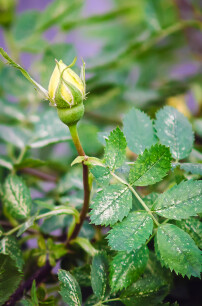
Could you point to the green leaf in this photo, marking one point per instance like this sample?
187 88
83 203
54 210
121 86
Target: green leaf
150 199
148 290
17 199
150 167
49 129
189 167
175 131
99 275
126 268
101 174
193 227
34 294
9 246
10 278
82 275
178 250
139 131
111 205
69 289
25 73
115 150
131 233
85 245
181 201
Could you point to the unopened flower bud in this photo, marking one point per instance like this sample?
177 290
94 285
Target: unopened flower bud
7 9
67 92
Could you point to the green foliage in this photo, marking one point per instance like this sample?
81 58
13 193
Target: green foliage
139 131
178 251
131 233
69 289
17 199
99 275
126 268
115 149
9 246
151 166
101 174
10 277
175 131
181 201
111 204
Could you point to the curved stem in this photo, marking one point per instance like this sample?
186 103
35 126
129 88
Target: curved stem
86 187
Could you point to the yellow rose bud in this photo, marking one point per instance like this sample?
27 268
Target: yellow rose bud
67 92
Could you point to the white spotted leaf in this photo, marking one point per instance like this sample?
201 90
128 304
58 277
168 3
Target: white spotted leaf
126 268
17 199
181 201
131 233
69 289
178 251
111 204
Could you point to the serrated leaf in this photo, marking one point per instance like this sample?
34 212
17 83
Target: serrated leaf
69 289
175 131
10 277
111 204
193 227
131 233
189 167
17 199
49 129
99 275
139 131
101 174
115 150
9 246
150 199
178 250
126 268
181 201
150 167
148 290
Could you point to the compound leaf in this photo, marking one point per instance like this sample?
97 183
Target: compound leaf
17 199
10 277
126 268
131 233
115 150
99 275
111 204
139 131
178 250
181 201
151 166
175 131
69 289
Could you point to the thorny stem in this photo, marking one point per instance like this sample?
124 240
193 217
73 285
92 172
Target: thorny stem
137 196
77 143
